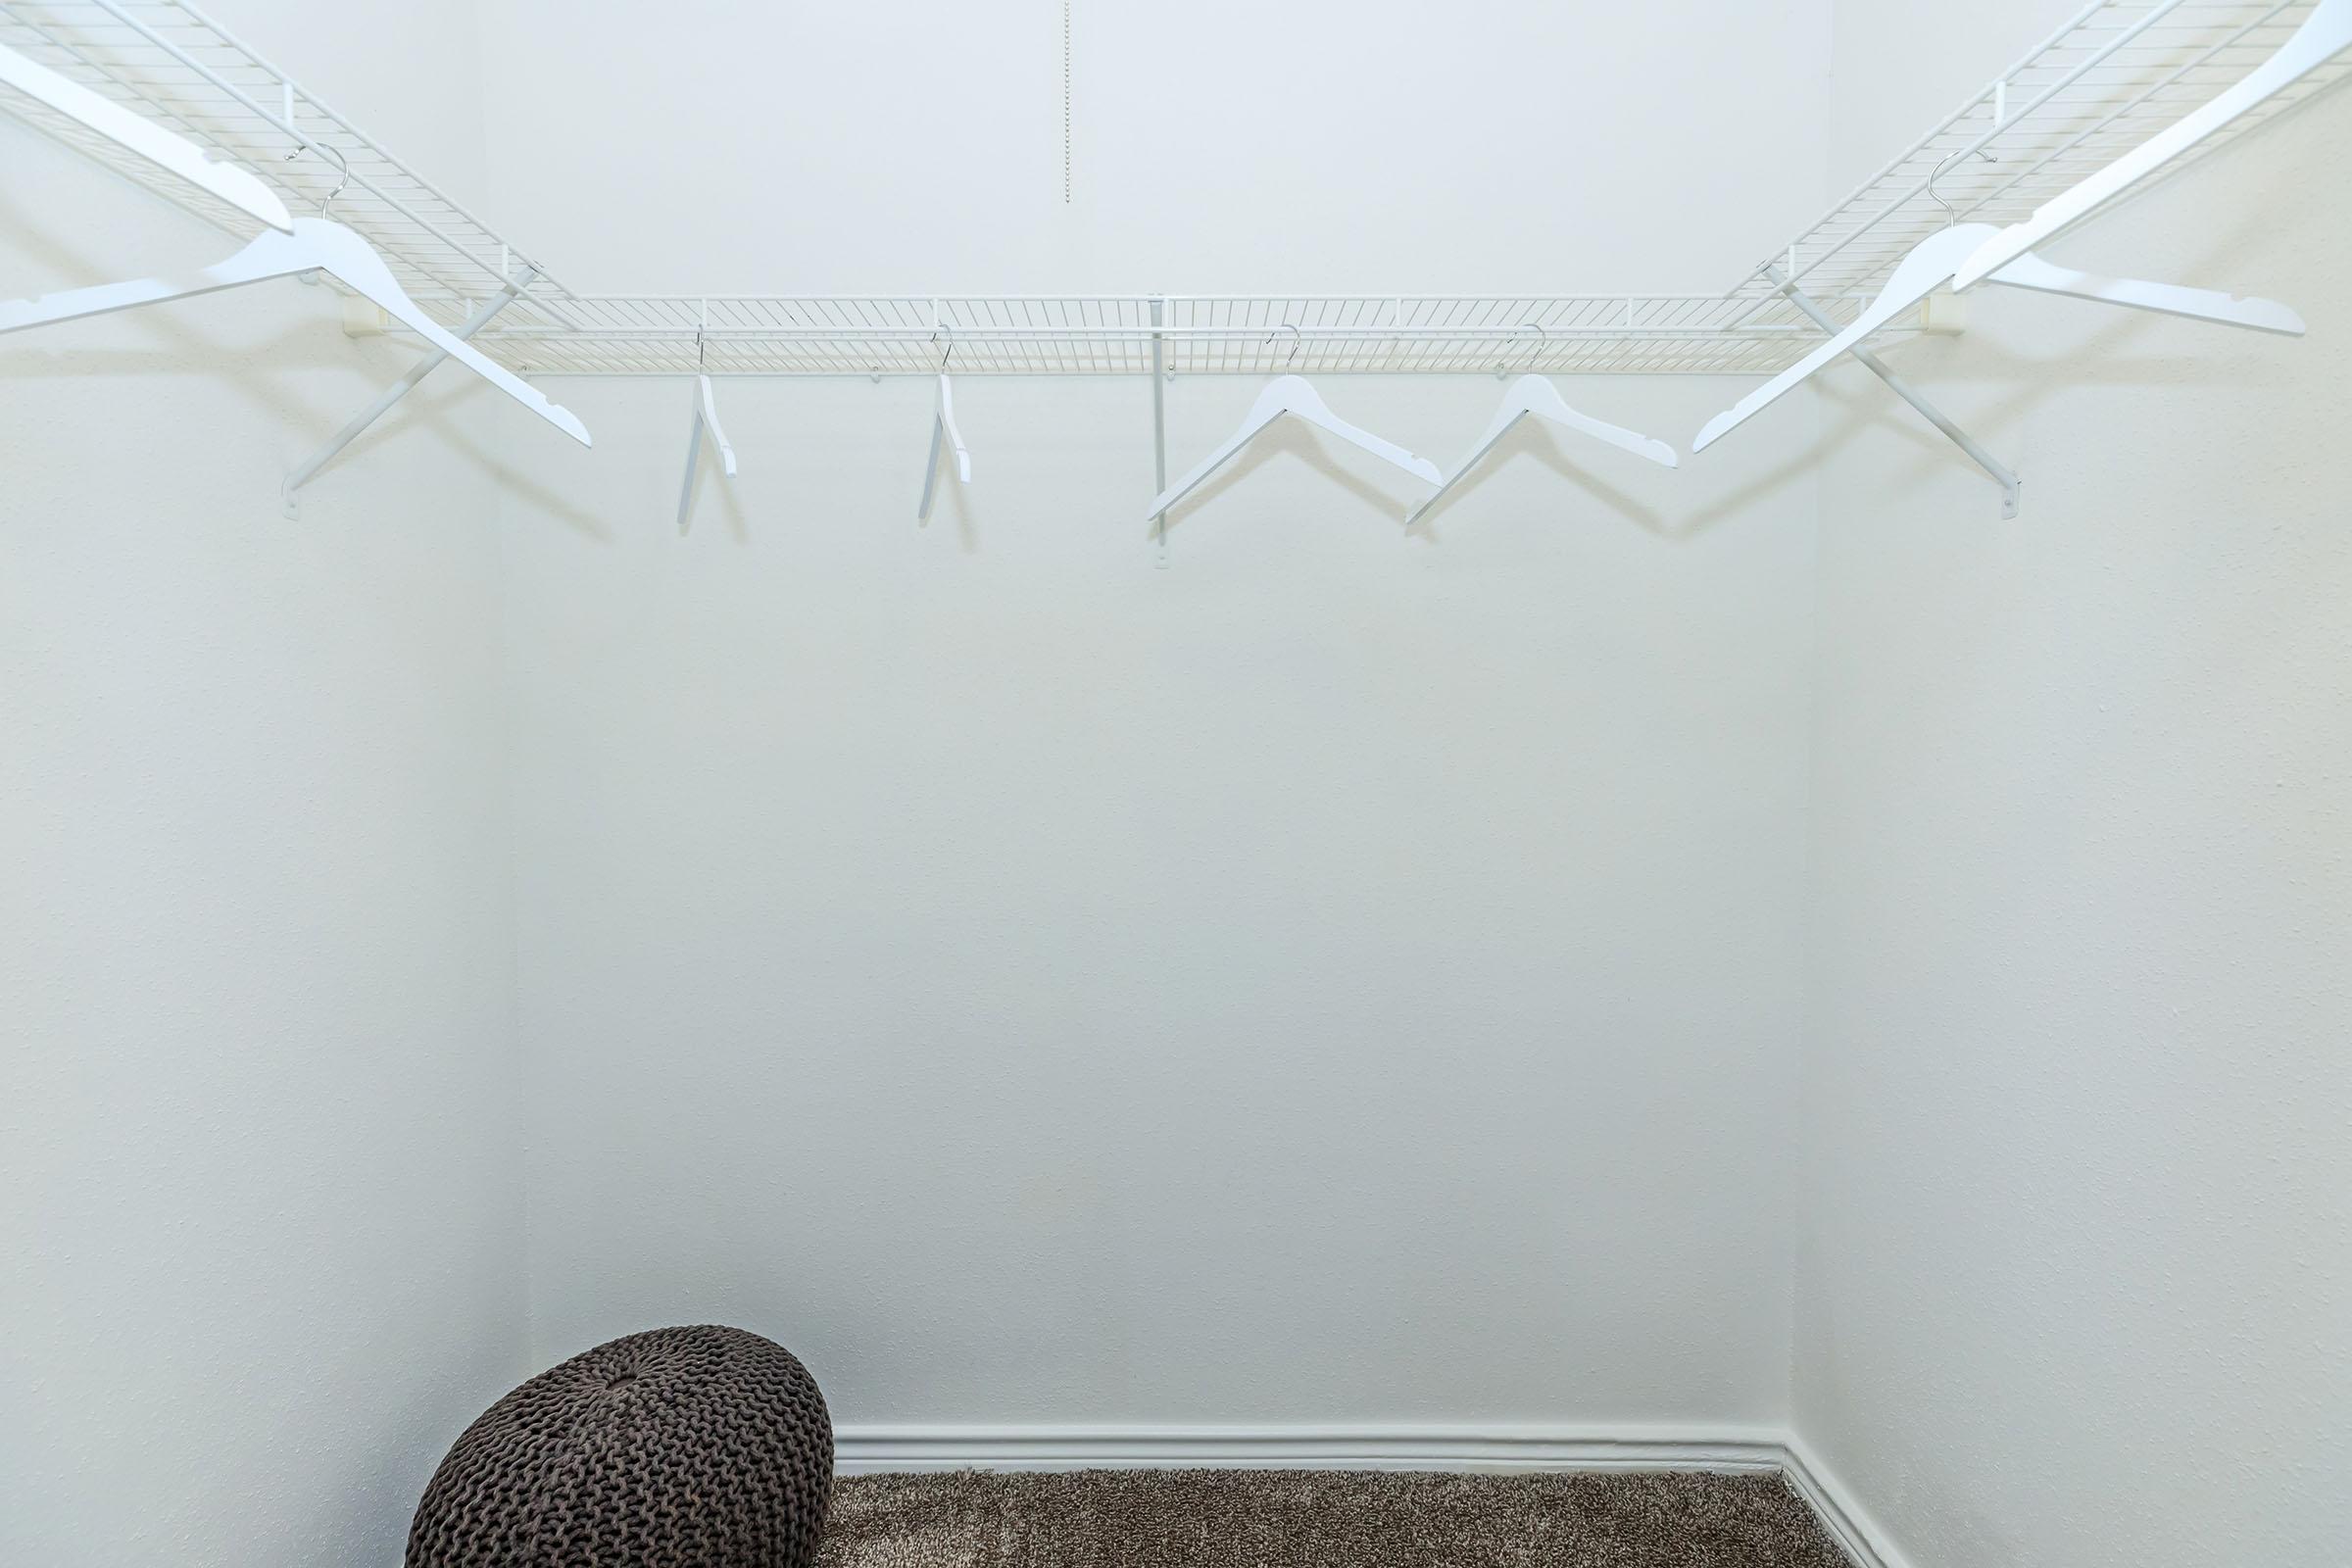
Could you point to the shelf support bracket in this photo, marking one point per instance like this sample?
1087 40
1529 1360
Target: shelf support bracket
1159 426
2002 474
305 471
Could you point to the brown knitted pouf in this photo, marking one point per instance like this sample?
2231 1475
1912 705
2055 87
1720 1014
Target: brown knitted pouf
698 1448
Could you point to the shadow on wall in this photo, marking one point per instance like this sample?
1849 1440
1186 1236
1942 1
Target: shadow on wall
1529 439
259 373
2096 360
2100 356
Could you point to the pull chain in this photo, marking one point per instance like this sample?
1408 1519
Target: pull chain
1065 102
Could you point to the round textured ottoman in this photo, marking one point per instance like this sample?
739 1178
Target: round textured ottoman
698 1448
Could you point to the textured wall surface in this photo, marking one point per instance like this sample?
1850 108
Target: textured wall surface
1378 146
1341 976
260 1255
2076 1269
1039 987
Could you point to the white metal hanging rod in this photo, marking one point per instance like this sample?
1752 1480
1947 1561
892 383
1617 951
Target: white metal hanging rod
1501 341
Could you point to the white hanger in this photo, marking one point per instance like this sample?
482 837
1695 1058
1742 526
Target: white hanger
1932 263
2324 34
944 431
315 244
151 141
1534 394
2165 299
1291 394
705 416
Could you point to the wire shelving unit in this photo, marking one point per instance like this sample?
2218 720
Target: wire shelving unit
2112 75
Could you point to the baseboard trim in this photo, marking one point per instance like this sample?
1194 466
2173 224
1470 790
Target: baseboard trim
1835 1504
877 1449
866 1449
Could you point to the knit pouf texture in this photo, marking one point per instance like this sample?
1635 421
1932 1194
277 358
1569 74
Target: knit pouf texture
693 1447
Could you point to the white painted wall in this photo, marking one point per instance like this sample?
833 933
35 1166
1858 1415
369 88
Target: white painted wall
1338 977
1342 977
261 1255
1235 146
2075 1274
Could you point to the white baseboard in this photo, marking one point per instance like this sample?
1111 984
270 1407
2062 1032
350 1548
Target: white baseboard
874 1450
1840 1514
865 1449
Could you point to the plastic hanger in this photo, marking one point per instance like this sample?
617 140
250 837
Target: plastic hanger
1291 394
705 417
1931 264
165 149
317 244
2165 299
2324 34
1534 394
943 432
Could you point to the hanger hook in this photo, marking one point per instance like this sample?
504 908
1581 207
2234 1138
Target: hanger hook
343 166
1296 337
943 331
1543 341
701 324
1950 214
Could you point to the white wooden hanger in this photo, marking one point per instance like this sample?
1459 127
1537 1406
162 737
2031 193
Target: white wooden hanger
1534 394
2324 34
315 244
705 417
1291 394
1931 266
165 149
942 434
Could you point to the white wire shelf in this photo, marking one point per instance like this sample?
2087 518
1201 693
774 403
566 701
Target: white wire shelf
2112 76
1116 335
179 67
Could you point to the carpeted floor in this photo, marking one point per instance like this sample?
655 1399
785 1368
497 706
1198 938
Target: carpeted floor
1321 1519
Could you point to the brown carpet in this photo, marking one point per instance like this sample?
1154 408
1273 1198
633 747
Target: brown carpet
1321 1519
